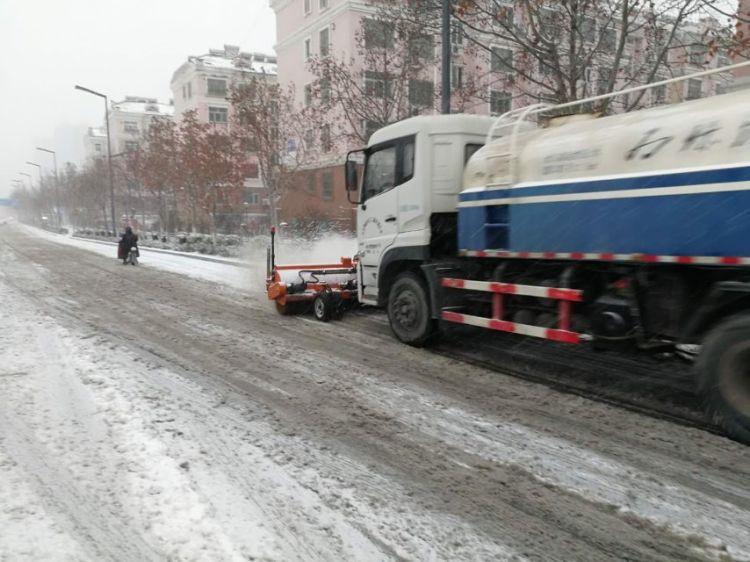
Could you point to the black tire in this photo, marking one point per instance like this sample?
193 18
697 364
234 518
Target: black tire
409 310
723 377
323 307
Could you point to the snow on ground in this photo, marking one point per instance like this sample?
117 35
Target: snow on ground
104 455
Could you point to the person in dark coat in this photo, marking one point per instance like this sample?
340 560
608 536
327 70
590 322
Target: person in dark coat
128 240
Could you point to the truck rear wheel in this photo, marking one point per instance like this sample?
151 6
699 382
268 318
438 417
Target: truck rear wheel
723 375
409 310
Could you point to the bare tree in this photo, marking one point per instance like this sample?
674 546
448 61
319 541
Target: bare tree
271 131
391 77
565 50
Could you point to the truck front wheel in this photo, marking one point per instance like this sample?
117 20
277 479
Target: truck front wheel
409 310
723 373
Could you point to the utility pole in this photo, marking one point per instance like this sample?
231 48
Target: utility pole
446 61
57 183
109 155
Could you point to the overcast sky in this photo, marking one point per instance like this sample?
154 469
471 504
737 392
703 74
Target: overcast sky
128 47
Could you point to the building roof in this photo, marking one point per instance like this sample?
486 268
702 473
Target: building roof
231 58
135 104
96 132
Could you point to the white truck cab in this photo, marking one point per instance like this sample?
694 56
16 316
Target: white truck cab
407 196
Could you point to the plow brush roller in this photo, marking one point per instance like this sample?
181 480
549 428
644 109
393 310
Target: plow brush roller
327 289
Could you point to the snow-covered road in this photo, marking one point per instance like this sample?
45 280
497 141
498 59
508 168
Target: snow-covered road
147 416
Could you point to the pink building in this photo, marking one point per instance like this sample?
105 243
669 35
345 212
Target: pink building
202 83
742 75
482 81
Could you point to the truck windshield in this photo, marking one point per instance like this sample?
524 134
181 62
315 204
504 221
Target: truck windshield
380 172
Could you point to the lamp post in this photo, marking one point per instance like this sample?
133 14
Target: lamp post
57 183
446 58
28 176
109 154
38 169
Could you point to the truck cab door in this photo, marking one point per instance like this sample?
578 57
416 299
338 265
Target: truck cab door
377 215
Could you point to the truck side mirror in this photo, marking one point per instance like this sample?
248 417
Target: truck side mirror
352 179
351 176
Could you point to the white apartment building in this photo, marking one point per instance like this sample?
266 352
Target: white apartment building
95 143
203 83
130 119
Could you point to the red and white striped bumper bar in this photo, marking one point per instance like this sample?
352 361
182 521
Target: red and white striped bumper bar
499 290
638 258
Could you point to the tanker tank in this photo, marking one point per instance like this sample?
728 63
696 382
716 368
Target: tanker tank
673 180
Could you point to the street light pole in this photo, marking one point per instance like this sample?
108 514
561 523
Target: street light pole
446 62
57 182
38 169
109 154
31 185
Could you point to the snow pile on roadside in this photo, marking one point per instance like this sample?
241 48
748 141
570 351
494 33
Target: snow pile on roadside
251 277
233 276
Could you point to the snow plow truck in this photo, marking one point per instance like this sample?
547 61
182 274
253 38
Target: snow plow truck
630 230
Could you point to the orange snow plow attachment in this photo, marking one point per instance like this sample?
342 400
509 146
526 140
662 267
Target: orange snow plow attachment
328 289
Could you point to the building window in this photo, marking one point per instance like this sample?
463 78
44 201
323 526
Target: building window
369 127
325 42
499 102
217 88
252 170
545 68
325 138
327 190
308 94
98 147
190 90
693 89
376 84
218 114
588 29
322 4
309 139
457 77
308 48
130 126
378 34
505 16
422 48
308 6
421 93
659 94
311 183
325 90
609 40
253 198
184 94
697 54
502 59
130 146
603 81
457 34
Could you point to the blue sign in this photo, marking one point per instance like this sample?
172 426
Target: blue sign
7 202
